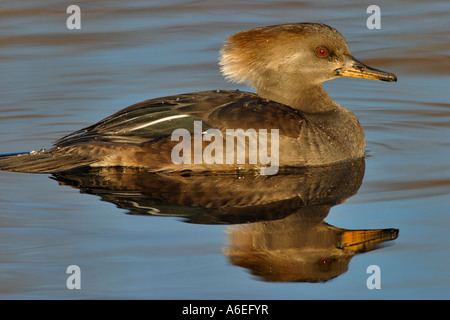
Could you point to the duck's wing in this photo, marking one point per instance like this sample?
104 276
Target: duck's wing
144 121
158 118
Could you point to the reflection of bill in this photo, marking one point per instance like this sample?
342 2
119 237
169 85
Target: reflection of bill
241 147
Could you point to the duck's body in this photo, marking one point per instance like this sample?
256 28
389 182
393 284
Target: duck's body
312 128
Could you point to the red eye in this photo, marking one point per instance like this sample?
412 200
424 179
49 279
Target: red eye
322 52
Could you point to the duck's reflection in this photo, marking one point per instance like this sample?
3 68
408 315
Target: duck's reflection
300 247
278 230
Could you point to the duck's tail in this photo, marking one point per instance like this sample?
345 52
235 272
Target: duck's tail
41 161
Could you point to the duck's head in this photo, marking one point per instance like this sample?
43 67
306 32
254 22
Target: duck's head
287 60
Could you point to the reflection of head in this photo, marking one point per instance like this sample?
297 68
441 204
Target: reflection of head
292 265
300 247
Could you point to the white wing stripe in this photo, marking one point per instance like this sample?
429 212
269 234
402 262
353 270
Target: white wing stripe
160 120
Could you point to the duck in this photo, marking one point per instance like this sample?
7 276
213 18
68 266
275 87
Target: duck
286 65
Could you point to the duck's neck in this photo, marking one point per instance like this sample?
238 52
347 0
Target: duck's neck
311 99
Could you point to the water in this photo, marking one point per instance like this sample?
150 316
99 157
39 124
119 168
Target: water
54 81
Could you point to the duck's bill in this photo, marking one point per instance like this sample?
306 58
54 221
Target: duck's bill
357 69
365 240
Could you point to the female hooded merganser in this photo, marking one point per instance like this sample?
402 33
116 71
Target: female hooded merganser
286 64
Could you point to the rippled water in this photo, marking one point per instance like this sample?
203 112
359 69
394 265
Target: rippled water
54 81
